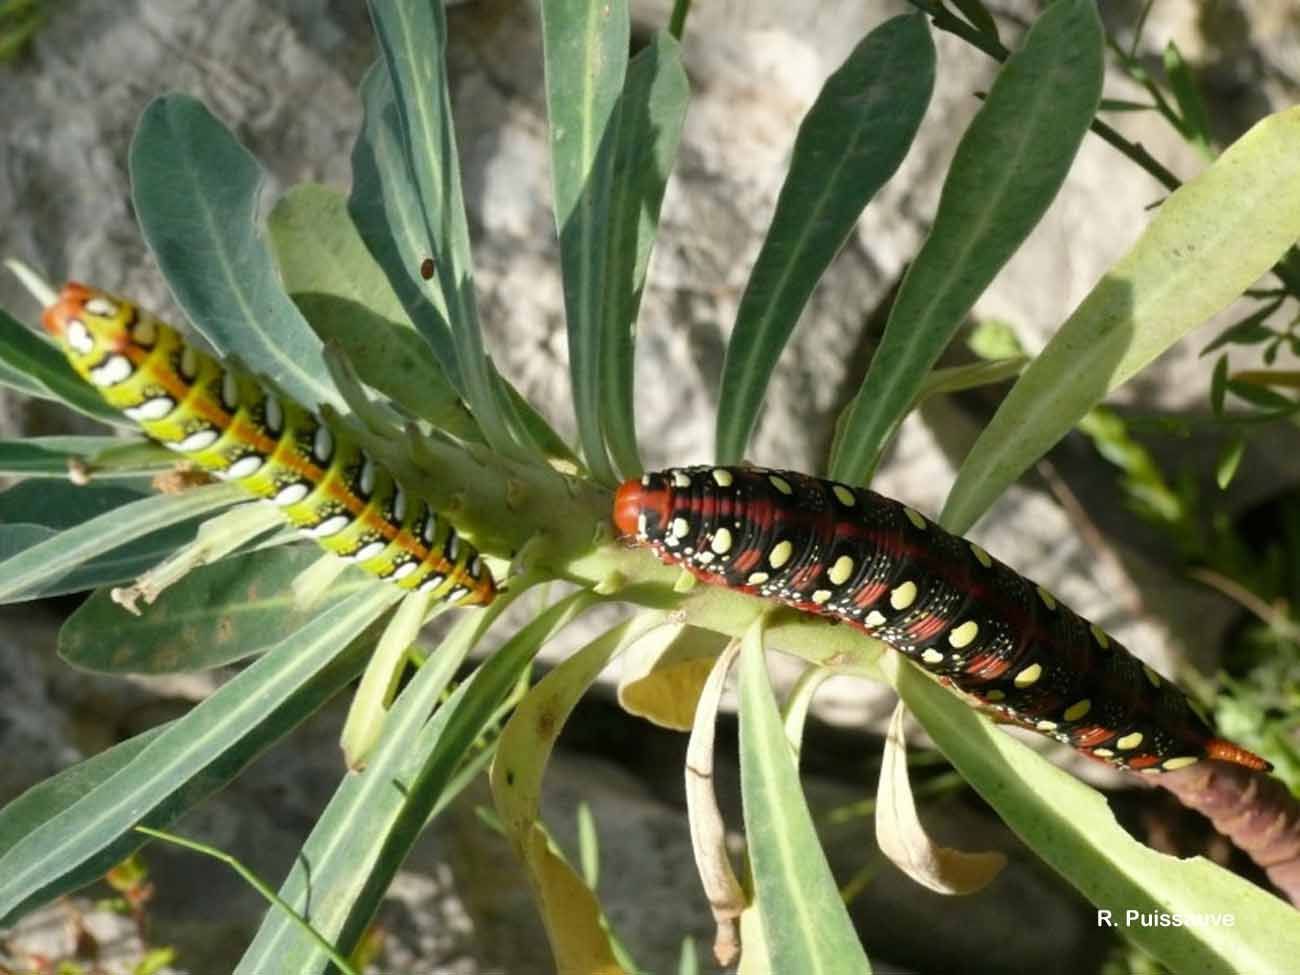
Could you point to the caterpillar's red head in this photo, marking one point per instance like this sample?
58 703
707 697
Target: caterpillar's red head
627 506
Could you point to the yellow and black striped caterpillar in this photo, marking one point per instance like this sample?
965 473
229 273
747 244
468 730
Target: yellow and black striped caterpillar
228 423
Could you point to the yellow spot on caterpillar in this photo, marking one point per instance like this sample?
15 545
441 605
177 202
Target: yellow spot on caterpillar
963 635
903 596
981 556
1182 761
1151 771
874 618
932 657
841 570
1129 742
1077 710
1046 726
1103 753
758 578
995 695
844 496
722 477
821 596
1029 675
721 541
780 483
681 527
1152 676
780 554
681 480
1099 635
915 518
1048 599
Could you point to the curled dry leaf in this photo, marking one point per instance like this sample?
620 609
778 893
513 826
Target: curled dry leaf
903 839
664 673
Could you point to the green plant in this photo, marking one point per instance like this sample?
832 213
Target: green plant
335 281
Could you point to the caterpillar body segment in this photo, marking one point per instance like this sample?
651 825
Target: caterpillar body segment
849 553
231 425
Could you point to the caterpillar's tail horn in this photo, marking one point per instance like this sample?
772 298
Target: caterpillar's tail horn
1226 751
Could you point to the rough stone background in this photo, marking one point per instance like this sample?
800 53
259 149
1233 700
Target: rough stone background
282 75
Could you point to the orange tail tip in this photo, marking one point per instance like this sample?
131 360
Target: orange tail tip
71 300
1226 751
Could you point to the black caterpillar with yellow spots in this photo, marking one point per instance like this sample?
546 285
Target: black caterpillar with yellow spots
230 425
851 554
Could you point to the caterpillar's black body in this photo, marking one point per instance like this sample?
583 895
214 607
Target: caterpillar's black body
852 554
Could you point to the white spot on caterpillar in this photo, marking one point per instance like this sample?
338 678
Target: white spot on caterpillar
246 466
117 369
404 570
758 578
932 657
640 524
460 592
1077 710
367 480
903 596
151 409
1103 753
1029 675
681 527
101 306
780 483
78 336
330 526
475 567
369 551
780 554
145 332
1048 599
274 415
645 480
981 556
453 545
1046 726
1182 761
399 504
915 518
874 618
1129 742
681 480
844 496
821 596
962 635
841 570
189 363
721 541
292 494
199 440
722 477
230 391
322 444
433 582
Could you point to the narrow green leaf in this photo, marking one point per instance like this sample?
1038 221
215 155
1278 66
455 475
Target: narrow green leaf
1191 109
106 458
413 37
195 190
977 16
216 615
1074 831
585 49
51 796
852 140
362 838
1260 396
36 367
39 569
1007 168
385 207
195 756
651 113
1208 243
1219 385
1251 330
346 298
805 926
1229 461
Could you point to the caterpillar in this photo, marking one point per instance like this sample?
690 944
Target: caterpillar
232 426
882 567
